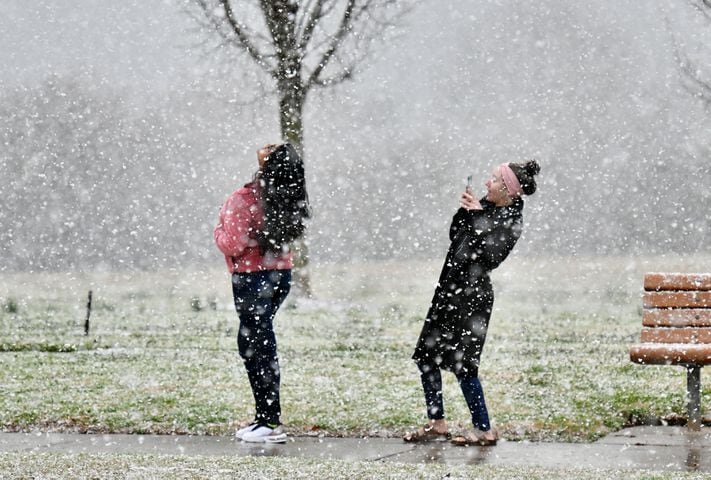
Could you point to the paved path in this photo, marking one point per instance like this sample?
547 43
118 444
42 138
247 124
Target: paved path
655 448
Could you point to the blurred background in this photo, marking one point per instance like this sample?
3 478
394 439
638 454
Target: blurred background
122 131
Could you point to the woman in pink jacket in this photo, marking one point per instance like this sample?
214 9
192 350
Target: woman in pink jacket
256 224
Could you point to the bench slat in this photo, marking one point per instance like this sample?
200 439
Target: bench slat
671 354
677 281
698 317
676 300
676 335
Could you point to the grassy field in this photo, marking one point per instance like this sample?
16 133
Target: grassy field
137 467
161 354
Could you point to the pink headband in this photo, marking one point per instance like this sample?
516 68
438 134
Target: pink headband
510 180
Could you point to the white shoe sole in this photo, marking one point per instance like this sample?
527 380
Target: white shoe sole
281 438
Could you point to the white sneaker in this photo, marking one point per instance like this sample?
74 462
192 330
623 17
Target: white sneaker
264 434
239 433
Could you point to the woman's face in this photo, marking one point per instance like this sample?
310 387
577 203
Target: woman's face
264 152
496 189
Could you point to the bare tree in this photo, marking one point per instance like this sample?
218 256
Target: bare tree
694 80
299 45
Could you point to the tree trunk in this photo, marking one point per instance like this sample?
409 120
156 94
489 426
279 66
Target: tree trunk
291 108
281 16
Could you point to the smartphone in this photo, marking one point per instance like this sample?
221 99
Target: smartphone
469 183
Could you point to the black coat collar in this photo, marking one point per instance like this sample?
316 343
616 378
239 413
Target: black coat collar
507 211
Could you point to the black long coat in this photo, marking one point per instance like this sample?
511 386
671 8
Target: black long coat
455 328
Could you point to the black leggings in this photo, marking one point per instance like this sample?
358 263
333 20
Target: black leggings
257 297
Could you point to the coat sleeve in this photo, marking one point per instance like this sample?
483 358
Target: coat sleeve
463 219
458 222
232 232
494 246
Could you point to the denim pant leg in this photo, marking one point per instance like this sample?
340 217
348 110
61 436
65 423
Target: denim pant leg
474 396
431 378
258 296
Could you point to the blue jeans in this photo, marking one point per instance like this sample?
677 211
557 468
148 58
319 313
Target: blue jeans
431 378
257 297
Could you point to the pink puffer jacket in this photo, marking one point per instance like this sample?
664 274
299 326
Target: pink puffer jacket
235 235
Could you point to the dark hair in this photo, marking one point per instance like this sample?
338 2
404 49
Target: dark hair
284 199
525 173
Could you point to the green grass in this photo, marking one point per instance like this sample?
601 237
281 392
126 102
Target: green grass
161 354
80 466
39 347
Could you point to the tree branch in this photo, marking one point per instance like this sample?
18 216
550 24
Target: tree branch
370 28
699 87
245 42
347 69
311 20
343 30
209 20
703 6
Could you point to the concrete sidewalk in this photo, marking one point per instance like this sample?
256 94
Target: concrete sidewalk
654 448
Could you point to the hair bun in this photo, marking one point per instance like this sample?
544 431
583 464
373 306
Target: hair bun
532 168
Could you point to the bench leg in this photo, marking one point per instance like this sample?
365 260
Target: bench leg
693 392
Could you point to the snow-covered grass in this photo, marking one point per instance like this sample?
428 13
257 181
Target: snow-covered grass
161 354
79 466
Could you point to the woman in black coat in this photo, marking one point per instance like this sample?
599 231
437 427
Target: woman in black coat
483 233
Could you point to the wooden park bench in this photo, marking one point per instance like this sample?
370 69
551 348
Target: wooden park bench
676 329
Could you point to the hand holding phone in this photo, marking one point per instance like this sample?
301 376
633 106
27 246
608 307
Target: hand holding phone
467 200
